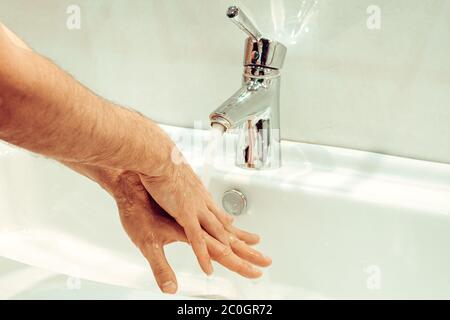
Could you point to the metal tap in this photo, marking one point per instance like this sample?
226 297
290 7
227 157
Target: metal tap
254 110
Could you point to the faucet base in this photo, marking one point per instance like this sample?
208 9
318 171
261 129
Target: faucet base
258 145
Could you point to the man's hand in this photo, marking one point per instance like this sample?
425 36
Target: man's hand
151 228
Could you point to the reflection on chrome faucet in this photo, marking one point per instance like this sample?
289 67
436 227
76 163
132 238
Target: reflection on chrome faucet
255 107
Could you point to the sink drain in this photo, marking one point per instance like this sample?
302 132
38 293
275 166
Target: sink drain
234 202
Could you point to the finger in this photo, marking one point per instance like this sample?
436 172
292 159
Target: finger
214 227
225 256
245 252
223 217
247 237
163 273
195 235
174 231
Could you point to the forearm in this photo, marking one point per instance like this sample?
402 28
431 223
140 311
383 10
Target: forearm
46 111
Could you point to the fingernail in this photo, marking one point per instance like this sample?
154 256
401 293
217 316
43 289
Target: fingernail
210 269
258 273
169 287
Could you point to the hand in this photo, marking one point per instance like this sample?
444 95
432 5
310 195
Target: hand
182 195
150 228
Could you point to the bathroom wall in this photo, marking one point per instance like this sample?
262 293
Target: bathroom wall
364 74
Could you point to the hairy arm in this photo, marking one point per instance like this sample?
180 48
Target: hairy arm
45 110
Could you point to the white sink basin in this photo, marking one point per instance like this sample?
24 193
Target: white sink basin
338 223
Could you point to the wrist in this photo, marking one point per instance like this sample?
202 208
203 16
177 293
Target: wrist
106 178
158 150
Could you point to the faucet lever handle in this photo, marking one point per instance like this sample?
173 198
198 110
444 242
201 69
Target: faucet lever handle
244 23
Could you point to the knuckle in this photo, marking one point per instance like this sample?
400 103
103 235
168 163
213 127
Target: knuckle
125 206
149 241
242 267
132 180
222 229
225 251
161 271
198 238
234 240
130 177
219 229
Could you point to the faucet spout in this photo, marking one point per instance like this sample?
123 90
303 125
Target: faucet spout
255 97
254 111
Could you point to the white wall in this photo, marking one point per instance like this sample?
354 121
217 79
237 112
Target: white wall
385 90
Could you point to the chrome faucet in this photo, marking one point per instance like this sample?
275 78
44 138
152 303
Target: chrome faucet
255 108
